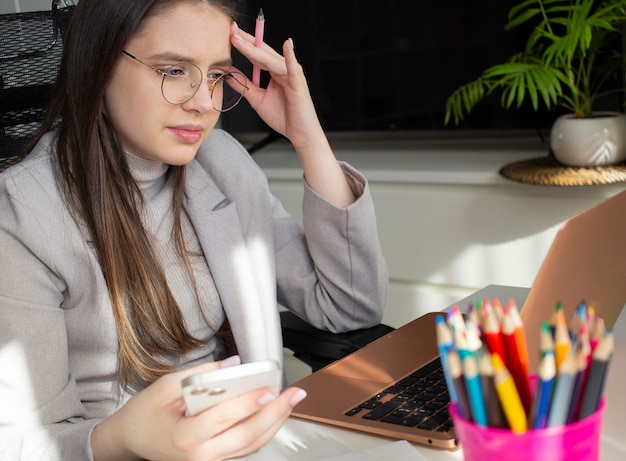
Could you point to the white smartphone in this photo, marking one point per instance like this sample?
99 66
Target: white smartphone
204 390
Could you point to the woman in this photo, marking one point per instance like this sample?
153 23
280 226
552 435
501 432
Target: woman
135 231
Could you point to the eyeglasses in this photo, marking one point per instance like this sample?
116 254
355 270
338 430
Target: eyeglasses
181 81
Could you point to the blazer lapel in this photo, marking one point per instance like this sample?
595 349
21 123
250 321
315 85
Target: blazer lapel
235 267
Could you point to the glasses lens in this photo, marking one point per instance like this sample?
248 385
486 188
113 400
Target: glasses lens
180 82
228 91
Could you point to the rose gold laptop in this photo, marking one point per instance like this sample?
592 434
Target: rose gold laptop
587 261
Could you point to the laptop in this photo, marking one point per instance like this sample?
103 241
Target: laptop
586 262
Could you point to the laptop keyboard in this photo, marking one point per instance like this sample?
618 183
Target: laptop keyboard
419 400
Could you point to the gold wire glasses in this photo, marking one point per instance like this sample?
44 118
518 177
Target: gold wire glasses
181 82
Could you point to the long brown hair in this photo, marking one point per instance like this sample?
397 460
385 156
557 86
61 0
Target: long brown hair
102 194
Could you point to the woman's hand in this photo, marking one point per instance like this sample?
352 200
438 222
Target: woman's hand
286 106
152 424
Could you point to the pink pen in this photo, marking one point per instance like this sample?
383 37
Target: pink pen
258 41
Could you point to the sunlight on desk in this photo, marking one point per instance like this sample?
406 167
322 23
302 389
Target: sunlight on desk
306 441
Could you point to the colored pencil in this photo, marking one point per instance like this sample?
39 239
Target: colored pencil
492 334
562 340
259 31
478 307
486 365
473 313
578 319
461 342
472 333
497 309
546 340
543 395
483 307
455 319
445 344
591 316
579 379
458 380
508 396
495 417
558 311
474 392
597 376
514 341
597 331
561 397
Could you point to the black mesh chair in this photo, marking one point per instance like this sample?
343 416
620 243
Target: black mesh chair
319 348
30 53
31 45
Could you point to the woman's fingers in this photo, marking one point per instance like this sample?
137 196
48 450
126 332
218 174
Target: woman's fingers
254 432
264 56
249 39
221 417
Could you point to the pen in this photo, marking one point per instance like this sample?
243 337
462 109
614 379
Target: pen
259 30
597 375
508 396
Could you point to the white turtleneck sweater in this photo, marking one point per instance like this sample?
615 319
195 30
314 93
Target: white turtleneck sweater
153 180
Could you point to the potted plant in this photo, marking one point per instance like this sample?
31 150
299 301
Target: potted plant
572 57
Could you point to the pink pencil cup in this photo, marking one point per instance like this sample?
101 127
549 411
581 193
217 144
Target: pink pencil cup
578 441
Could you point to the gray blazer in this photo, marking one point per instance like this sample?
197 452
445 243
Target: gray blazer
58 346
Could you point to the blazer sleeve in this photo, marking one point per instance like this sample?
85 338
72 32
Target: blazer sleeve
330 270
333 275
41 416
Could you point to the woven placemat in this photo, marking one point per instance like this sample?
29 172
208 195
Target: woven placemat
547 171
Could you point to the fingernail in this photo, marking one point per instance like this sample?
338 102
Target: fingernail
266 398
297 397
236 27
231 361
293 47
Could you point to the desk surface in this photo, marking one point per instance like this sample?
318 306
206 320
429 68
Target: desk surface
306 441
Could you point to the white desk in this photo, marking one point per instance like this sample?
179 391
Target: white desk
306 441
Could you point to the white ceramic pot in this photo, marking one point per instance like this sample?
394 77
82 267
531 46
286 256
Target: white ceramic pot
595 141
